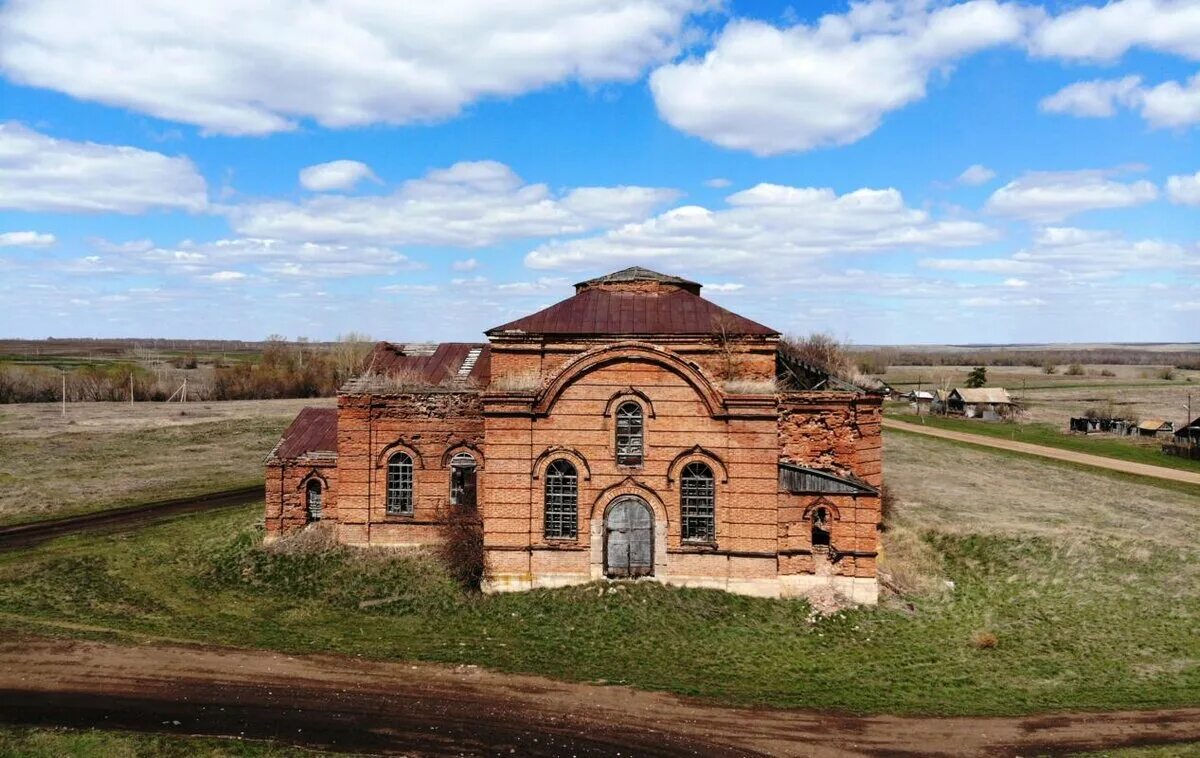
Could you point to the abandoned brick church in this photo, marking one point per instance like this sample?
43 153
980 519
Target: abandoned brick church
634 429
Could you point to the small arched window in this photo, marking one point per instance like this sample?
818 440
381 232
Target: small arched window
629 434
462 481
400 485
697 503
821 523
314 499
561 500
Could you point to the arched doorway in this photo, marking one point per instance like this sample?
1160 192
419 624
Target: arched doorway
628 538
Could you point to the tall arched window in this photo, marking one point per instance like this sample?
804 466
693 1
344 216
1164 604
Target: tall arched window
400 485
561 500
629 434
314 499
821 525
697 503
462 481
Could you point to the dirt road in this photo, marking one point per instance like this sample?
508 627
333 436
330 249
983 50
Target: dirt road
342 703
1098 461
24 535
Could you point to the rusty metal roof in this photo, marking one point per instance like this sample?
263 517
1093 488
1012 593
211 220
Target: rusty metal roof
314 430
608 312
447 363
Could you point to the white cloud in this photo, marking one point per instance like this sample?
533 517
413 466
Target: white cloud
1098 98
26 239
771 90
725 287
236 70
1107 32
1069 252
1053 196
975 175
41 173
335 175
1184 189
1170 104
469 264
1016 283
717 183
469 204
763 226
225 276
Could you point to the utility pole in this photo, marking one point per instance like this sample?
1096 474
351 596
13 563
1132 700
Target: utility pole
130 389
64 392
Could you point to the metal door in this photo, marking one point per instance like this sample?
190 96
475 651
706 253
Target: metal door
629 539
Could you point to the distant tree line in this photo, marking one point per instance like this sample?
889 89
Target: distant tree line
283 370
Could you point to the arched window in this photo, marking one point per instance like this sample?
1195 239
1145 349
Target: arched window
314 499
462 481
400 485
561 500
629 434
697 503
821 523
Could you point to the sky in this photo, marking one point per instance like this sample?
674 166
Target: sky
889 171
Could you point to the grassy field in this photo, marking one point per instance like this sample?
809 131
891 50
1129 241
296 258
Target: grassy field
1088 589
104 455
1121 448
93 743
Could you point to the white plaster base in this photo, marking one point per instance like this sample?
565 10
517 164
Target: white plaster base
863 591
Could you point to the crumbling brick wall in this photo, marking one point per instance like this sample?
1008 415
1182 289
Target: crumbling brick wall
286 509
429 427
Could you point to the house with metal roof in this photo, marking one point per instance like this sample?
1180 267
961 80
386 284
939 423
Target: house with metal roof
634 430
987 403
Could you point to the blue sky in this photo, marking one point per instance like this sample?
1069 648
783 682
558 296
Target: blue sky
889 171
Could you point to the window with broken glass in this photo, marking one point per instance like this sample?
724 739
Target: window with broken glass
462 481
313 499
629 434
561 500
400 485
697 503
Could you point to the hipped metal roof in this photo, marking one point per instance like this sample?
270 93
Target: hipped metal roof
314 430
601 311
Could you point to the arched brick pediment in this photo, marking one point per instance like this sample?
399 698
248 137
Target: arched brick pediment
634 352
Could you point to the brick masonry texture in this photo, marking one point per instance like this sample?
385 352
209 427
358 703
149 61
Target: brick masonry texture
555 397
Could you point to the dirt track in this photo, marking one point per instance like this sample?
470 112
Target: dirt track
342 703
1098 461
24 535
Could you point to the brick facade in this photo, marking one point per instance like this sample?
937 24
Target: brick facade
554 397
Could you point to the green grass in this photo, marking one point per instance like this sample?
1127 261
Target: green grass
1051 436
1181 750
1097 624
72 472
94 743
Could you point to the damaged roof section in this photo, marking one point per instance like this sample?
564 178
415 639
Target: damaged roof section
311 435
446 366
800 480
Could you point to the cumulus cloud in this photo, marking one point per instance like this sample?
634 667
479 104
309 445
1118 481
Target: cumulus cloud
765 224
1078 253
335 175
717 183
975 175
26 239
1053 196
1098 98
1184 189
1170 104
226 69
469 204
772 90
41 173
1105 33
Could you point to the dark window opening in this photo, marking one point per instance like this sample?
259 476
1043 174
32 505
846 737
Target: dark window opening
697 503
313 499
629 434
462 481
561 500
400 485
821 524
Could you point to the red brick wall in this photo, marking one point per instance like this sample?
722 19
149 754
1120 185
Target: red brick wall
286 509
427 426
